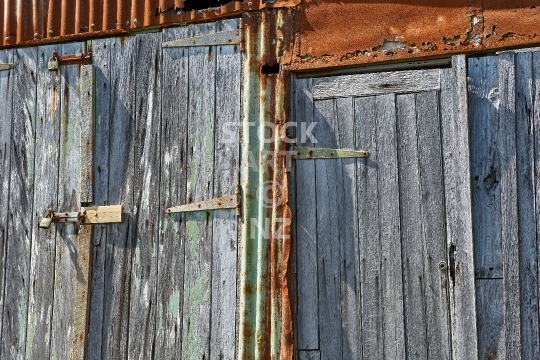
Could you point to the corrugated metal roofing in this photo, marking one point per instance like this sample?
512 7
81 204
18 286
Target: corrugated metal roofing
26 22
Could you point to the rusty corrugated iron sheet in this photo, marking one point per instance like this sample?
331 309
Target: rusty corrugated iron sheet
266 324
27 22
332 34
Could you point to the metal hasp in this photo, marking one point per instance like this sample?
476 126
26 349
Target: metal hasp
224 202
231 37
87 216
5 67
305 153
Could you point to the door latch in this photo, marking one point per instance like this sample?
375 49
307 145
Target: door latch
87 216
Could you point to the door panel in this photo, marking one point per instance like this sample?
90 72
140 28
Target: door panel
372 243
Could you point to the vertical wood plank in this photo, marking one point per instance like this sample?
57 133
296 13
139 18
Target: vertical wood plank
226 177
328 189
306 227
19 226
70 306
491 341
536 126
348 231
433 226
525 146
6 91
198 263
43 254
391 277
456 164
414 281
174 134
146 196
310 355
506 147
101 62
121 183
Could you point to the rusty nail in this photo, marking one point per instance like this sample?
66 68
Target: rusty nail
442 266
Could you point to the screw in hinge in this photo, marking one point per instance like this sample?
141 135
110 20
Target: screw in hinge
442 266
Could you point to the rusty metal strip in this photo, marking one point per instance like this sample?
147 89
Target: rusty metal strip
265 328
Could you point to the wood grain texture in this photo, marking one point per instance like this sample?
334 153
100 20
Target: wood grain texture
21 188
536 125
491 341
329 188
102 65
146 154
414 281
456 165
396 82
226 176
118 254
72 264
387 267
200 153
43 254
306 231
172 236
86 143
526 102
506 148
6 89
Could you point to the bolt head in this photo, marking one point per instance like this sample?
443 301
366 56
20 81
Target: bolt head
51 31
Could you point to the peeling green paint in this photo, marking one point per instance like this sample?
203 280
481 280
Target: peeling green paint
193 231
174 304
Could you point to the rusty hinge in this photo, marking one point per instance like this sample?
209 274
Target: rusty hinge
224 202
87 216
231 37
5 67
305 153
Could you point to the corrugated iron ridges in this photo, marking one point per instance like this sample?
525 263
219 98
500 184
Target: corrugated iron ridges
29 22
39 21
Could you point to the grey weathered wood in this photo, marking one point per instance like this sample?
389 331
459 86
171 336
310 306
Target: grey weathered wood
309 355
101 62
456 165
306 231
6 89
200 153
391 310
146 154
491 341
21 188
485 170
226 176
397 82
348 231
40 299
172 237
506 147
121 183
328 192
414 281
526 101
86 145
222 37
71 280
433 225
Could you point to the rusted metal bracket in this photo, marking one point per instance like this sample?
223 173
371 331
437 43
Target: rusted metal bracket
5 67
87 216
224 202
232 37
306 153
76 59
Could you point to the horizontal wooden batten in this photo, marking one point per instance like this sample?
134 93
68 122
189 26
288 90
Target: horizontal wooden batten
231 37
359 85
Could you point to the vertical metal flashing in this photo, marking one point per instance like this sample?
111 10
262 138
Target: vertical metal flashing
265 330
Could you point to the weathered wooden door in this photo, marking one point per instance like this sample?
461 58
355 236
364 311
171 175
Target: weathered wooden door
47 164
384 244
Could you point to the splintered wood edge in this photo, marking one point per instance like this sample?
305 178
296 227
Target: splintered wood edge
102 214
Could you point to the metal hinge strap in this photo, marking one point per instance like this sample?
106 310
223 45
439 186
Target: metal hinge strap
5 67
224 202
231 37
304 153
